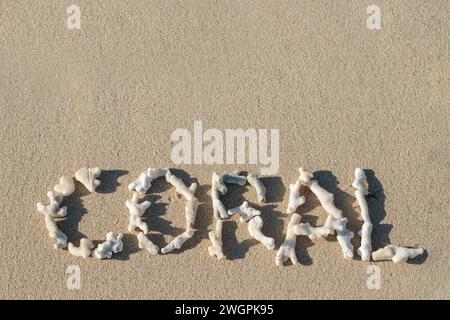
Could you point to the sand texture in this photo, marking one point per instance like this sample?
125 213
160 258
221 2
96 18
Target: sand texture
111 94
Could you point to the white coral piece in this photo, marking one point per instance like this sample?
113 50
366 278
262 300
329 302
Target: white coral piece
89 177
287 248
396 253
113 244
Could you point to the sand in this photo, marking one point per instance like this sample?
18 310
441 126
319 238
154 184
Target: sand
111 94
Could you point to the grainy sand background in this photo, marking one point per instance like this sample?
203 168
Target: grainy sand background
110 95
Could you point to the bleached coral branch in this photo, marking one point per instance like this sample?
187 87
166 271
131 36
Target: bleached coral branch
113 244
137 210
147 244
344 238
254 228
235 178
295 199
65 186
217 186
360 184
256 183
178 242
55 233
137 223
217 182
88 177
245 212
144 182
190 209
153 173
215 249
53 208
219 209
313 233
396 253
287 249
84 250
180 187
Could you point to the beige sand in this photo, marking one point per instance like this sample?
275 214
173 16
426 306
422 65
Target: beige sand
110 94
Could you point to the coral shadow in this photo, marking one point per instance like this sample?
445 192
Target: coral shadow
109 179
155 215
376 202
273 223
301 250
76 210
311 201
419 259
232 249
235 196
275 189
130 246
303 243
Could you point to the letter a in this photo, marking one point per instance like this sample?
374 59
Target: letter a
74 19
374 20
74 279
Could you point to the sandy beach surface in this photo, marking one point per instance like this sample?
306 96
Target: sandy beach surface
111 94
